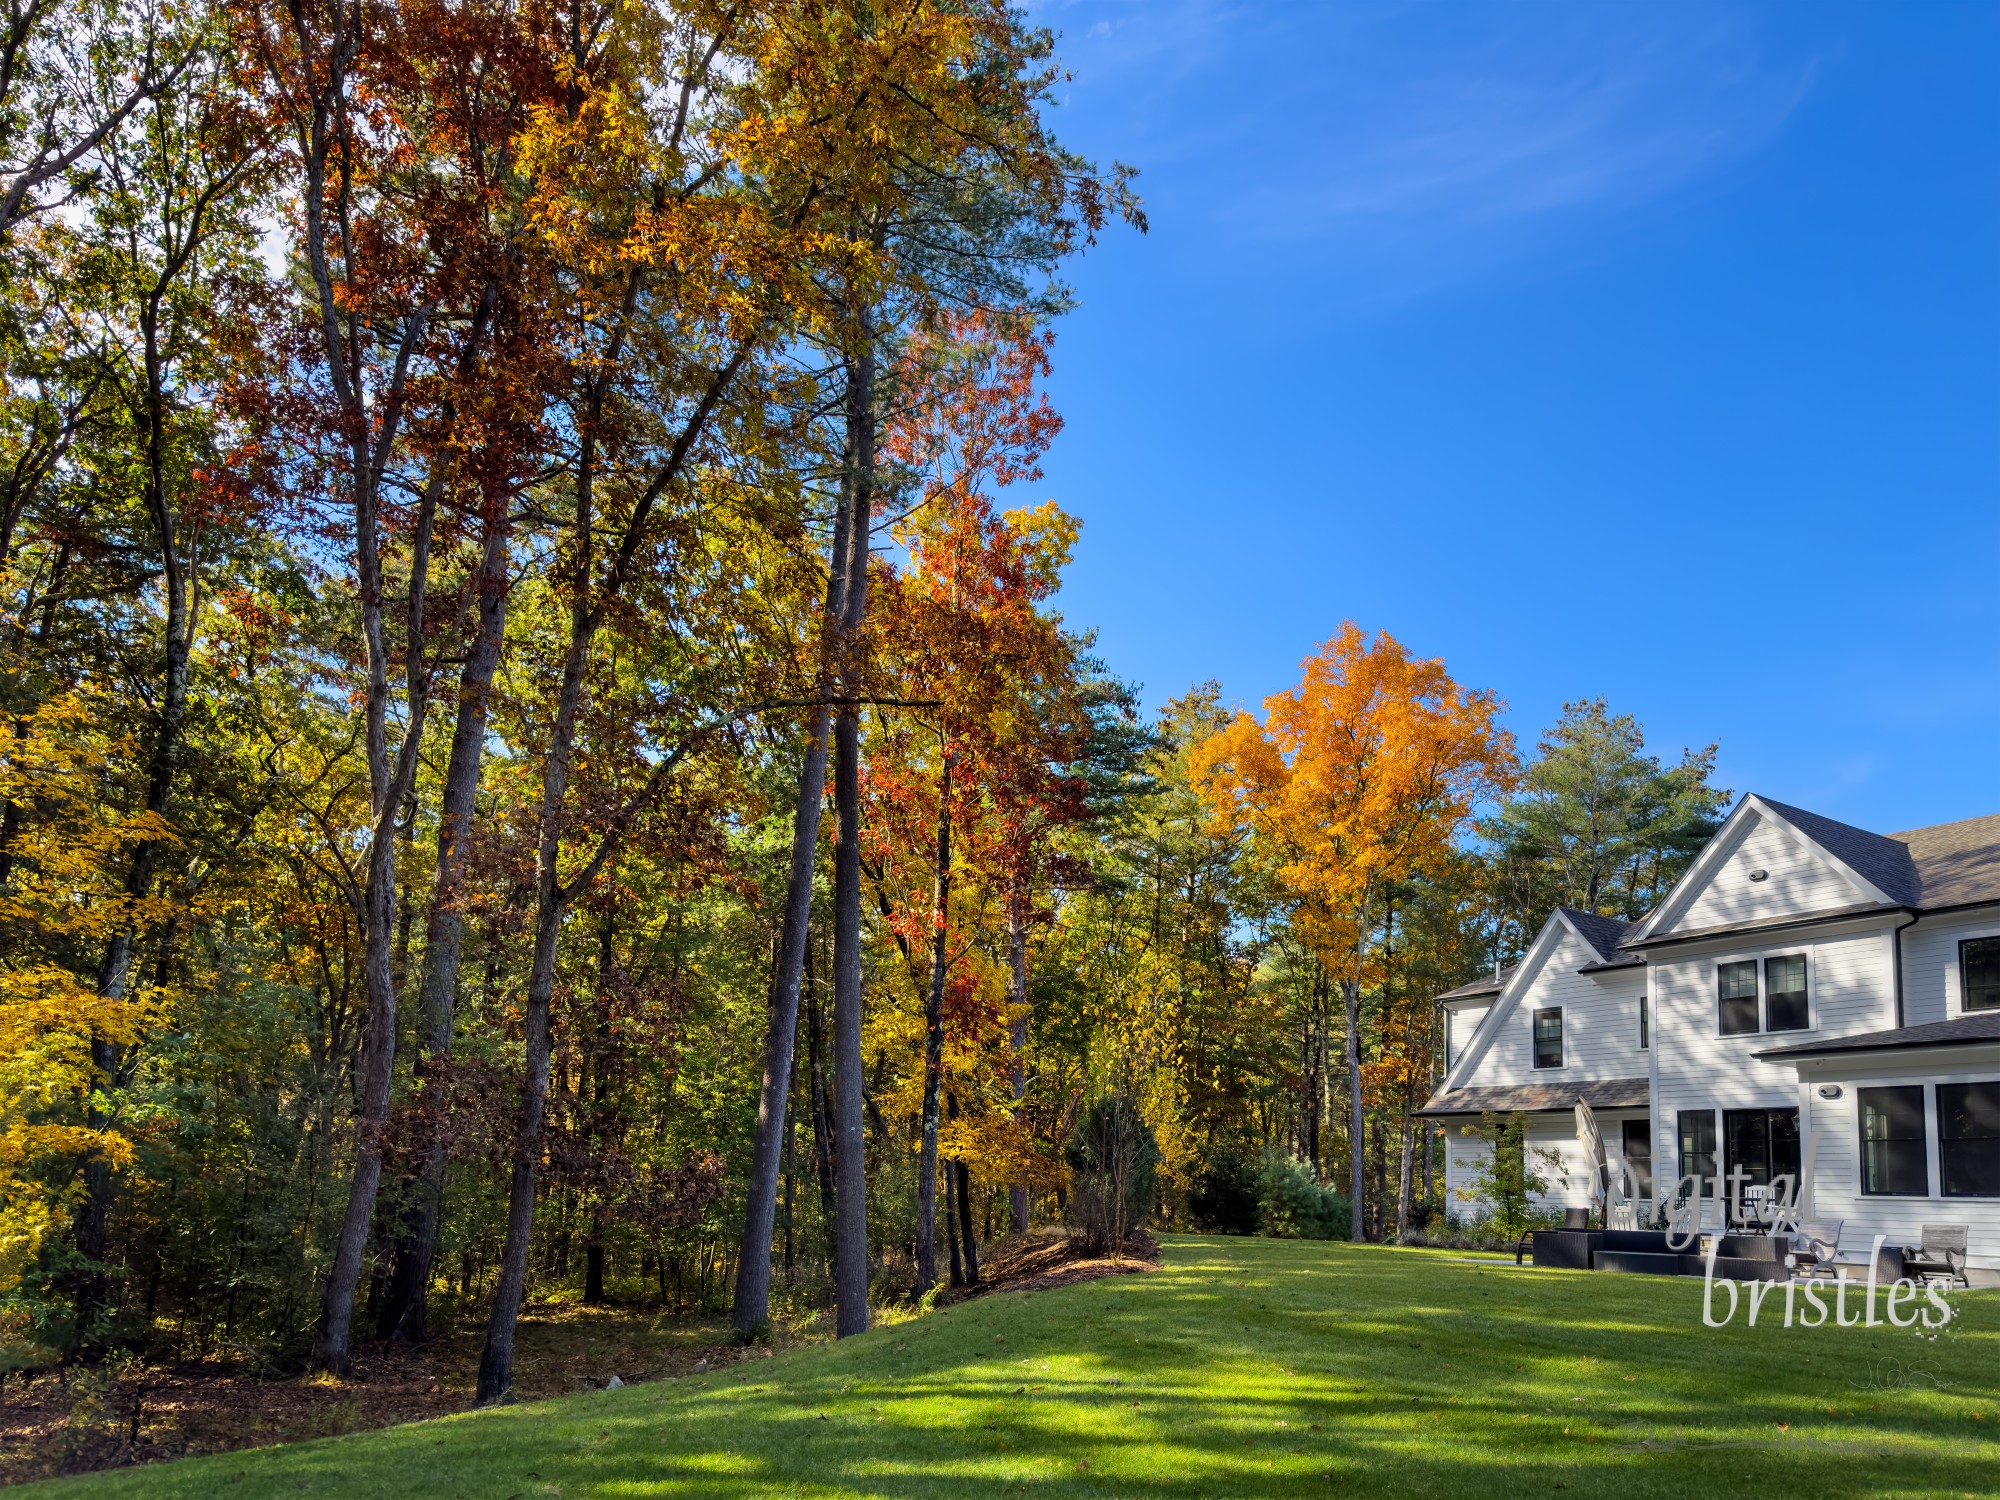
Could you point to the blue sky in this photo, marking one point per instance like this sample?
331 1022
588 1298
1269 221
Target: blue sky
1645 351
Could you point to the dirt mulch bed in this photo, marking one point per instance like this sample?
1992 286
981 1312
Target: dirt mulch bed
1035 1262
85 1420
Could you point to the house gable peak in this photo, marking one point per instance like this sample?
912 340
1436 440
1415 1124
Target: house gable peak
1770 862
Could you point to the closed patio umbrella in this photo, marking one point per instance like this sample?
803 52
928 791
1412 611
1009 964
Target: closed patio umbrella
1588 1137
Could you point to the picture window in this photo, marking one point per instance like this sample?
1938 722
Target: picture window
1893 1160
1969 1140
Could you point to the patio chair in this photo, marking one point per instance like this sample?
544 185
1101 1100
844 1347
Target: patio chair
1940 1258
1816 1244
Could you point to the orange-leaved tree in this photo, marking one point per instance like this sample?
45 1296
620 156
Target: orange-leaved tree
1363 775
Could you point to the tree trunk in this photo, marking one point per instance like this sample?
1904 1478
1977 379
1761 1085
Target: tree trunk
496 1363
951 1227
1378 1163
1017 1034
927 1151
822 1115
790 1176
965 1232
1407 1174
849 1084
162 762
404 1315
752 1306
552 896
751 1309
1356 1167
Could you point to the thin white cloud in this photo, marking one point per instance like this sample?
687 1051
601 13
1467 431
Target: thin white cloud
1396 134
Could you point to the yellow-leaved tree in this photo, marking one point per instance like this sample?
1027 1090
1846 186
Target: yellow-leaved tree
62 896
1362 776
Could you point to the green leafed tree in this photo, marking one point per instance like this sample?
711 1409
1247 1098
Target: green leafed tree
1599 823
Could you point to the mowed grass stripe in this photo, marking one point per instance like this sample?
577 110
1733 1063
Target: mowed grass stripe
1245 1367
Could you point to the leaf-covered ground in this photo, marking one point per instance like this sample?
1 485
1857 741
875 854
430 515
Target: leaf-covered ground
1245 1367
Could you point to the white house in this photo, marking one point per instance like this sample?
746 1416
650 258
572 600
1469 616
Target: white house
1806 983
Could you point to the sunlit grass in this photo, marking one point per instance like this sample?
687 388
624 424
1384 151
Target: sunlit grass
1246 1367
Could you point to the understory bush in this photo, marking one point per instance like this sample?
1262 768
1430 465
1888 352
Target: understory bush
1225 1197
1113 1160
1295 1204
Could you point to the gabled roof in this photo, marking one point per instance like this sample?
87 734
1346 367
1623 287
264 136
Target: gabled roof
1492 984
1921 869
1529 1098
1983 1026
1884 863
1957 864
1602 934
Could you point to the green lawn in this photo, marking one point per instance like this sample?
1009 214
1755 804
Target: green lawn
1245 1367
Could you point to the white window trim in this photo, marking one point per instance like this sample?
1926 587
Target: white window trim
1562 1023
1757 956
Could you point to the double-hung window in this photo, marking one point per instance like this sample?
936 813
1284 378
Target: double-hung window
1769 996
1785 1006
1549 1038
1892 1142
1736 998
1969 1140
1979 973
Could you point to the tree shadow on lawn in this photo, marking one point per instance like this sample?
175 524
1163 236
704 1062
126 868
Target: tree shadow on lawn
1269 1372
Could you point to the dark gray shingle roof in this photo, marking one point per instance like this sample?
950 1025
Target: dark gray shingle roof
1604 934
1946 864
1602 1093
1883 862
1487 986
1961 1031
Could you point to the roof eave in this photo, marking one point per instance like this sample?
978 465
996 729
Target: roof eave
1766 924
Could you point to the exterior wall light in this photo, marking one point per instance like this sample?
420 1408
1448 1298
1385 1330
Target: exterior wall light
1760 874
1829 1091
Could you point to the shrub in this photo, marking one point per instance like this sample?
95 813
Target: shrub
1296 1205
1507 1181
1112 1158
1225 1198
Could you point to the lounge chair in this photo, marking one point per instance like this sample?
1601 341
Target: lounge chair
1940 1258
1817 1242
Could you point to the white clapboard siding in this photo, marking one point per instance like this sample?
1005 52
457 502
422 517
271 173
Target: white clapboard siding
1461 1023
1600 1020
1552 1134
1931 978
1799 878
1464 1157
1851 992
1837 1174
